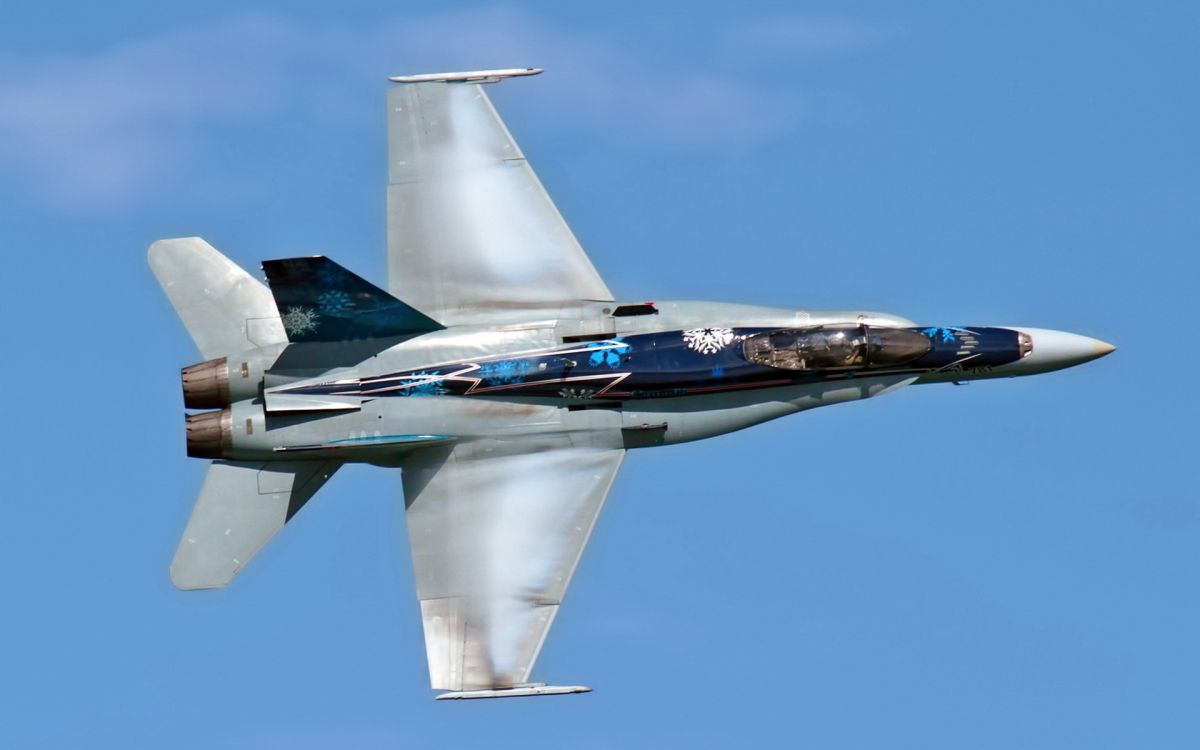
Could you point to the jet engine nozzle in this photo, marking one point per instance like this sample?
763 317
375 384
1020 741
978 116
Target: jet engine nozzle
206 385
210 434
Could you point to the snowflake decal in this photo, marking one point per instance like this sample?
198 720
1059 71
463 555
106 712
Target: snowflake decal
604 353
332 275
707 340
577 392
333 301
946 333
298 321
427 384
504 372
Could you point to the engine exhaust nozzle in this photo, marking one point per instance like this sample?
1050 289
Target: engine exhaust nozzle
206 385
210 434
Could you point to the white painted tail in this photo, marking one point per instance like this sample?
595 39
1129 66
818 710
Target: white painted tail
225 309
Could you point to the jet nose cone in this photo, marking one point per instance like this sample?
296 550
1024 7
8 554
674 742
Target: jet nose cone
1103 347
1054 350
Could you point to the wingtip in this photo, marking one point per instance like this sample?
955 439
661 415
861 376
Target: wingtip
470 76
518 691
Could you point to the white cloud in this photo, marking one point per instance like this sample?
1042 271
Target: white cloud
802 36
92 133
96 133
594 82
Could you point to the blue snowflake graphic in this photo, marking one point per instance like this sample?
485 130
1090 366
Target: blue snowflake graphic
718 371
610 356
431 387
504 372
332 276
946 333
333 301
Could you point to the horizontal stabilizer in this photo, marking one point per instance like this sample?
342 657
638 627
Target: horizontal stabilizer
225 309
515 692
318 300
240 507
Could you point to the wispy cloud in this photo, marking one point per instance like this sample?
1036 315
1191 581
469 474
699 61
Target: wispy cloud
98 132
801 35
94 132
594 81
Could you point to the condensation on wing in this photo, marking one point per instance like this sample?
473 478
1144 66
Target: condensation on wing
471 231
496 534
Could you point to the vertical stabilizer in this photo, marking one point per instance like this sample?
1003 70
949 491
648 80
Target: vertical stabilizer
224 309
318 300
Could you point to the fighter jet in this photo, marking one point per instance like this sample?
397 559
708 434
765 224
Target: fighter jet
502 377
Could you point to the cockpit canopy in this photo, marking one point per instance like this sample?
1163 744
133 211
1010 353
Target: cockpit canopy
835 348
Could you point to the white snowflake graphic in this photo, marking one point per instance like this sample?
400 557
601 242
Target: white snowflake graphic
577 392
300 320
707 340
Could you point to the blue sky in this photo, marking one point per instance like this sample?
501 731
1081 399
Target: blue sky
1009 564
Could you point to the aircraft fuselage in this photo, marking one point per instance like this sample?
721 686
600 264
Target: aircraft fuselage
707 360
653 380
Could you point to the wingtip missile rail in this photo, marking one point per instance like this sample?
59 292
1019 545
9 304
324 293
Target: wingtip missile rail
472 76
519 691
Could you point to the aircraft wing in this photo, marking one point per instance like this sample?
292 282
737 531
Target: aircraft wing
471 231
497 528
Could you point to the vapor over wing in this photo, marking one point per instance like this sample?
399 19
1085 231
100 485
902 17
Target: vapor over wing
496 530
471 231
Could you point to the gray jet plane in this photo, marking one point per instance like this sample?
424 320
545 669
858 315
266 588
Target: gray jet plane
504 379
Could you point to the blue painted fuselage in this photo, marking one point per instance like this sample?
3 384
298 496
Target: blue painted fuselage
686 362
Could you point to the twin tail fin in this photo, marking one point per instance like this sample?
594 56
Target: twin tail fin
227 311
318 300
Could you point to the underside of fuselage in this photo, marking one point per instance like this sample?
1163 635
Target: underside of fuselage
691 362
